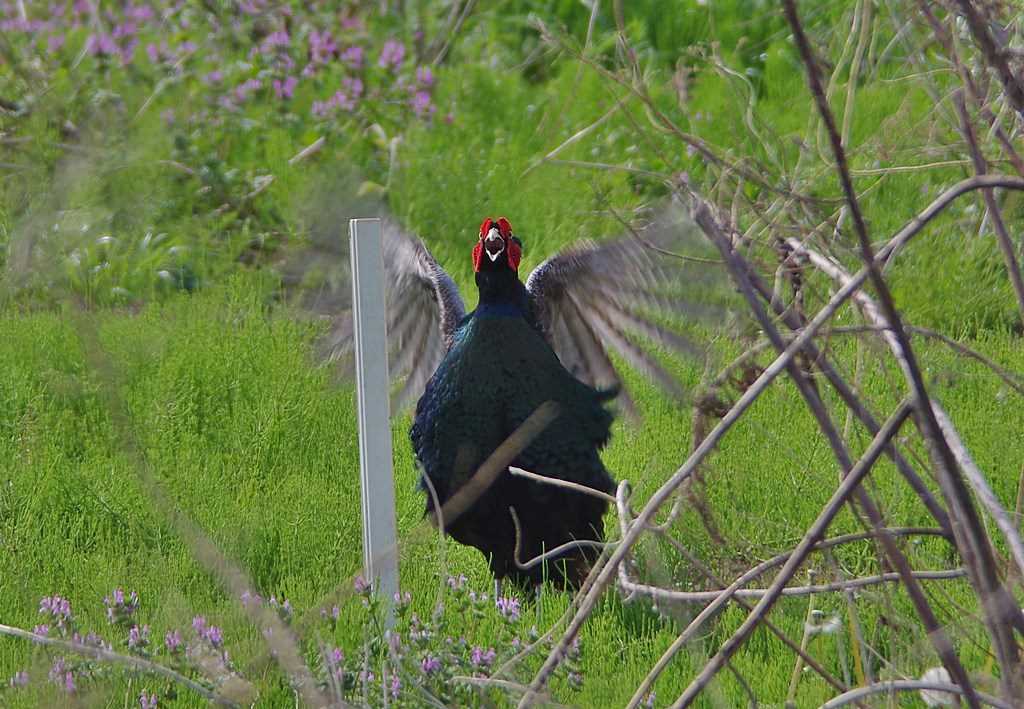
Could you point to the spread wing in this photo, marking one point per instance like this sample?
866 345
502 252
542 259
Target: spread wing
594 299
423 308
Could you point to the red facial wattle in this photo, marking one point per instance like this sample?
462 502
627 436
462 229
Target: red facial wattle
510 246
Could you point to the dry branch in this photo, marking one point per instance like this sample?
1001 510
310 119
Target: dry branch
813 534
907 685
968 530
977 480
994 213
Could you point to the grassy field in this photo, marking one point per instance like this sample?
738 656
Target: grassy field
179 317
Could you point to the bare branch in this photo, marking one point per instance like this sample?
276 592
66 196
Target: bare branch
814 532
907 685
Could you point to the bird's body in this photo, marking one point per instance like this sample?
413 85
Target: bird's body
498 371
483 374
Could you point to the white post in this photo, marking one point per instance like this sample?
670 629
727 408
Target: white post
380 547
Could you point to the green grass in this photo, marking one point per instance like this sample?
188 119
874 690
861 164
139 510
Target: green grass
256 441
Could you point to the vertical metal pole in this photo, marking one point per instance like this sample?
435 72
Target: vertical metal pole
380 547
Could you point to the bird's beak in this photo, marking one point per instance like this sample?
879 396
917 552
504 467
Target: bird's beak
494 244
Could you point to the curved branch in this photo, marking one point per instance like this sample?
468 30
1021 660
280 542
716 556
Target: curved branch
907 685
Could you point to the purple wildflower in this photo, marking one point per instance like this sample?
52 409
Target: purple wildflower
430 665
335 661
284 90
321 47
248 86
147 701
101 44
58 608
92 640
509 608
353 85
214 636
422 105
54 43
482 658
424 76
360 585
457 584
214 77
396 686
138 638
274 40
61 675
391 55
120 607
153 52
353 57
20 679
41 629
649 700
172 641
139 13
125 29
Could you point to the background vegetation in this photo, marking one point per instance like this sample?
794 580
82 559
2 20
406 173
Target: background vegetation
160 226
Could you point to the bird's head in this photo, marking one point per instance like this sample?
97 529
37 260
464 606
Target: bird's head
497 248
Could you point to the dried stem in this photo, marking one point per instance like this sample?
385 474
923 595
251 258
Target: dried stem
908 685
994 213
813 534
967 526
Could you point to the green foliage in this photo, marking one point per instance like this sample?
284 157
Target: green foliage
138 198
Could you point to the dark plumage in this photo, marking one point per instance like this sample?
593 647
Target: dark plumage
482 374
498 370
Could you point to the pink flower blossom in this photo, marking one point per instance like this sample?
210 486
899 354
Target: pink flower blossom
353 57
391 55
422 105
284 90
424 76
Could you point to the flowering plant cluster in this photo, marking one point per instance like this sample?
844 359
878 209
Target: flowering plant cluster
199 654
308 62
413 657
191 93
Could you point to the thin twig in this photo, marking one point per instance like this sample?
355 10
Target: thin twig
814 532
664 594
994 213
908 685
558 482
557 551
977 480
968 530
